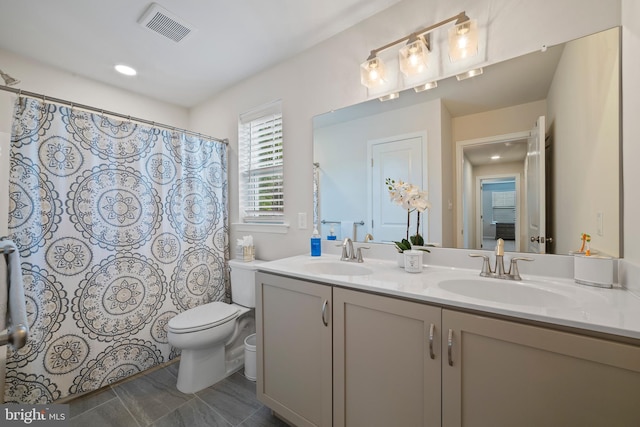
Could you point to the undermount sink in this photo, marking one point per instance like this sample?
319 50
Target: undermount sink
337 268
504 291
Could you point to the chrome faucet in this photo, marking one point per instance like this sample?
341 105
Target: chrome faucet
348 252
498 272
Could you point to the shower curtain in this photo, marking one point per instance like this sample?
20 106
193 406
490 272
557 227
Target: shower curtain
120 227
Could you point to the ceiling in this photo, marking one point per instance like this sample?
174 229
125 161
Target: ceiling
230 40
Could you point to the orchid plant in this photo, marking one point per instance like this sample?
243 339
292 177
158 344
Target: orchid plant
410 198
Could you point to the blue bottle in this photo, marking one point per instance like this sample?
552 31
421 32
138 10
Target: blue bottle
316 243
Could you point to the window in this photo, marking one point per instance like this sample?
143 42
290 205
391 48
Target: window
261 164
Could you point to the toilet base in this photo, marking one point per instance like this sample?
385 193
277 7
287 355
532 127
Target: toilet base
203 368
200 368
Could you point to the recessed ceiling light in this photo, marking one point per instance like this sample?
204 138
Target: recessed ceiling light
126 70
496 157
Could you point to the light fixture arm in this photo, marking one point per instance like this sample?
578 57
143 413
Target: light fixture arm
459 18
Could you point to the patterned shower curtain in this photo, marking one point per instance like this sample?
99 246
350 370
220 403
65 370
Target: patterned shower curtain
120 227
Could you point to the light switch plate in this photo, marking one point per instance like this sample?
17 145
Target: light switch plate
302 220
599 225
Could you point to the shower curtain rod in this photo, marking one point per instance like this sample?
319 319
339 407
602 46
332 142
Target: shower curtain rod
45 98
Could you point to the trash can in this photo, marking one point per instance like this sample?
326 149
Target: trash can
250 357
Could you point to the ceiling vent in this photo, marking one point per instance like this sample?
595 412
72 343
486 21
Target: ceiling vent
160 20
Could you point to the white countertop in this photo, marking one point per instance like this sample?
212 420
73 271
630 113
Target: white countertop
563 302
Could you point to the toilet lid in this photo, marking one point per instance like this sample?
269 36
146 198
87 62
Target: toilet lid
204 316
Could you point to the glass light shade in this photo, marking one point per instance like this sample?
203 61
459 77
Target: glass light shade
463 40
413 58
372 73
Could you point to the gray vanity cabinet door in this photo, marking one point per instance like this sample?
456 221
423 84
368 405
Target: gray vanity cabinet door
386 367
503 373
293 325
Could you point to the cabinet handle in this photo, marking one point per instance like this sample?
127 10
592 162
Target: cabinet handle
431 333
324 312
450 347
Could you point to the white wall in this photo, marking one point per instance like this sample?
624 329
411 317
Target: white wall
631 128
448 179
517 118
467 235
584 118
327 77
52 82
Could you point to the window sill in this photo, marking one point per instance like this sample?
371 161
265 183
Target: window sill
261 228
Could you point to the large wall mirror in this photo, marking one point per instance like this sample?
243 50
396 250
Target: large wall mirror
529 151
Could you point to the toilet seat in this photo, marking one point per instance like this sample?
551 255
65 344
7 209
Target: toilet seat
203 317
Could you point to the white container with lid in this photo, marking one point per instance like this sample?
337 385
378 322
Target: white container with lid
413 261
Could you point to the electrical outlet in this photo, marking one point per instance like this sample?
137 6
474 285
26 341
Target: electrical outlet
302 220
599 226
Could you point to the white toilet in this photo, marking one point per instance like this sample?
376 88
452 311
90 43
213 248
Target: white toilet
211 336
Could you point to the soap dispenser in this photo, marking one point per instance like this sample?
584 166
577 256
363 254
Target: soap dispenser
316 243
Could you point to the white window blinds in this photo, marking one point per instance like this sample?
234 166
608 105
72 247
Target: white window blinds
261 164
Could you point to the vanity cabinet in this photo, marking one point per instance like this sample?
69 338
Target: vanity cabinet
386 361
294 342
503 373
334 356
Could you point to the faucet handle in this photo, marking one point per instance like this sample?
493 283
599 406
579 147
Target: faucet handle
486 267
513 267
359 253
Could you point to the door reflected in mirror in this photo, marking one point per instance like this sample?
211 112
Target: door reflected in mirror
574 86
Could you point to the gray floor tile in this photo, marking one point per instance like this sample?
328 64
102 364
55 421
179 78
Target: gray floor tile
194 413
263 418
89 401
173 368
110 414
152 396
234 398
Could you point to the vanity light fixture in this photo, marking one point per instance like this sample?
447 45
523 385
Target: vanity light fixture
496 157
469 74
413 57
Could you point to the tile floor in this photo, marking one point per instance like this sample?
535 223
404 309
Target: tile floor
153 400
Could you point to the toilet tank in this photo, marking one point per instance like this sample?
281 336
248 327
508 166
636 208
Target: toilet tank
243 278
